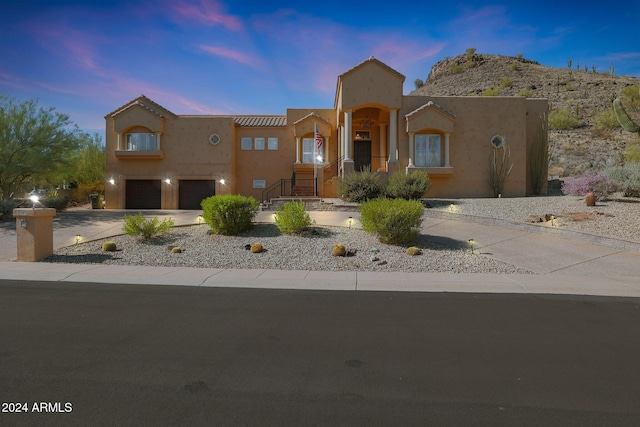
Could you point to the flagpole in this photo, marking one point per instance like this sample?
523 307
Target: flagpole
315 155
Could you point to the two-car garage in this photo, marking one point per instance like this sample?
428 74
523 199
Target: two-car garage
147 193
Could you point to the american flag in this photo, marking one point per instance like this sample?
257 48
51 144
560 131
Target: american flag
318 138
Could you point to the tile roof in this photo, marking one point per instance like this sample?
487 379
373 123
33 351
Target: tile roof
261 121
143 102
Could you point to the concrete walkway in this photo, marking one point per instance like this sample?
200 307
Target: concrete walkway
565 262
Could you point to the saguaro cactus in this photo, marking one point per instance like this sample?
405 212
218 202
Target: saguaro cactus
624 119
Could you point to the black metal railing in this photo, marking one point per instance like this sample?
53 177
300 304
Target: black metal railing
294 187
332 169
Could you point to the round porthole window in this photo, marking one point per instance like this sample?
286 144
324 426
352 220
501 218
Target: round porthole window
214 138
497 141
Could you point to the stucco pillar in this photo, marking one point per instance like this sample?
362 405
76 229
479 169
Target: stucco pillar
297 149
34 233
411 142
347 134
446 150
393 135
119 143
383 141
158 140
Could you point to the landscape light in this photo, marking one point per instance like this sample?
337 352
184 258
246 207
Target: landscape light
200 219
471 242
78 237
350 221
452 207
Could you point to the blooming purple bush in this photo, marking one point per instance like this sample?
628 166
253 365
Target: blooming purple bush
581 185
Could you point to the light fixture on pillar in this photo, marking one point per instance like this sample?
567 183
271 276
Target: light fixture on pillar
34 199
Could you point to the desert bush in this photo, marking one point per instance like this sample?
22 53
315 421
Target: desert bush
515 66
506 82
562 119
408 185
632 151
81 193
456 69
470 52
597 183
56 202
627 177
360 186
492 91
229 214
138 225
6 208
526 92
392 220
292 218
606 119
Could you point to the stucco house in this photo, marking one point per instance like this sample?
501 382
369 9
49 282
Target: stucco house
156 159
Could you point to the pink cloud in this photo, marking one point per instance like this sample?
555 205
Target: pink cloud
207 12
235 55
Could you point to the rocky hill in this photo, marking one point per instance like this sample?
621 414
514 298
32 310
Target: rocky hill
583 93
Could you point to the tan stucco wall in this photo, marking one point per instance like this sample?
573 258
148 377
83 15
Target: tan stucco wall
373 93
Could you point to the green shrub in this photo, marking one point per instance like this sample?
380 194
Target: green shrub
392 220
360 186
6 208
411 185
492 91
138 225
81 193
526 92
563 119
627 177
515 66
470 52
229 214
606 119
456 69
56 202
292 218
632 151
506 82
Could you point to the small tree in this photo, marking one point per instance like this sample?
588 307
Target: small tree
418 83
35 143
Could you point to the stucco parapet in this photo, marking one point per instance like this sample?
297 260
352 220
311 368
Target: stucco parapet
433 105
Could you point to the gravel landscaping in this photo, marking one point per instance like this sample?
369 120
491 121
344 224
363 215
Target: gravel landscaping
312 250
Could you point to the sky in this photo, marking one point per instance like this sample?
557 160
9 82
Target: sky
86 58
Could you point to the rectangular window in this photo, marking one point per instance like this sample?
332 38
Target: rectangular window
141 141
246 143
259 143
427 150
272 143
307 150
259 183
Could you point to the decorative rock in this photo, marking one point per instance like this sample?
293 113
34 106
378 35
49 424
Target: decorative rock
590 199
413 251
339 250
176 250
256 248
247 246
374 258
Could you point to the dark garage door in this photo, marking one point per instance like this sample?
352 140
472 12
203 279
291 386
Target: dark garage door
143 194
192 192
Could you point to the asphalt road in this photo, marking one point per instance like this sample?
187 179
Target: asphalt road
146 355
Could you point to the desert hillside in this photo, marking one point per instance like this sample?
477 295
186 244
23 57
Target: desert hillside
583 93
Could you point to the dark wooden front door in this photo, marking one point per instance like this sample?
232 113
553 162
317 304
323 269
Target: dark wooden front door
361 155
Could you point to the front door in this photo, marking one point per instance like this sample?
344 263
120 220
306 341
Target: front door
361 155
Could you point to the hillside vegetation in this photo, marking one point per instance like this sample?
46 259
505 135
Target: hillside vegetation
584 134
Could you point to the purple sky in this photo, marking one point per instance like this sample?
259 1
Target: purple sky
86 58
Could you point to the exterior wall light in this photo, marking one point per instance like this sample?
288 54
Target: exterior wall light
167 180
222 181
112 181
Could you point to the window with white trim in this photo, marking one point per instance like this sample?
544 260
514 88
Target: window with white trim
141 141
427 150
259 143
272 143
246 143
308 147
